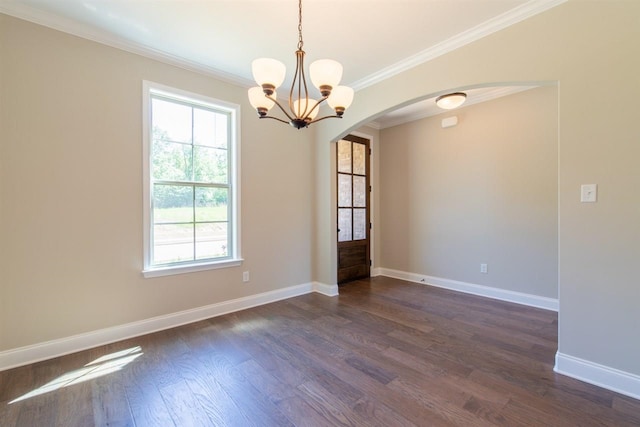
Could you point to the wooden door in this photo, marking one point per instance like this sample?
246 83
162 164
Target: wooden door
354 227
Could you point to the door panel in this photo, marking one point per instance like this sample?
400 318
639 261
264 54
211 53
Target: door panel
353 201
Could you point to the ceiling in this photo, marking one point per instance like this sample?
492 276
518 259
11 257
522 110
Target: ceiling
373 39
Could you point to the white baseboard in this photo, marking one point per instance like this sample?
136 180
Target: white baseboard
375 272
324 289
59 347
599 375
470 288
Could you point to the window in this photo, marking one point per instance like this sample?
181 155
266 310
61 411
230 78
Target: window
191 186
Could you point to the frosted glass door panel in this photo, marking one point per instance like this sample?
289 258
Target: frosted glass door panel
344 156
359 165
359 192
353 208
359 224
344 190
344 225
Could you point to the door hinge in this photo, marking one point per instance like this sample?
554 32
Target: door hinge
370 225
370 263
370 189
370 152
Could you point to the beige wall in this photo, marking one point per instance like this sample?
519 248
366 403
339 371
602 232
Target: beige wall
587 47
484 191
71 191
325 235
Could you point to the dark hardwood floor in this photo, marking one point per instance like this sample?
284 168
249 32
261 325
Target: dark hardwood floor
383 353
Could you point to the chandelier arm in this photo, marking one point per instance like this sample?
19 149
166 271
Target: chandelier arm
307 111
324 98
296 78
281 108
274 118
299 82
325 117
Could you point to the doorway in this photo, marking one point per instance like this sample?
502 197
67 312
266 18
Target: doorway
353 205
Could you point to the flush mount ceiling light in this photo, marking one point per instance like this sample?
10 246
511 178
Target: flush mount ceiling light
325 76
451 100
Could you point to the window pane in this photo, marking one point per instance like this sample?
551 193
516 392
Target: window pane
344 190
172 243
359 224
171 121
344 225
209 128
171 161
211 204
359 166
210 165
172 203
223 123
359 191
344 156
212 240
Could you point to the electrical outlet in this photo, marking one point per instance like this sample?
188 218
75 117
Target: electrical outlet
483 268
245 276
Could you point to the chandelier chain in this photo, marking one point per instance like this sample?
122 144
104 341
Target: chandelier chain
300 42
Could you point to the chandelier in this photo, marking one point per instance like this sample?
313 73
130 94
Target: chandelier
302 111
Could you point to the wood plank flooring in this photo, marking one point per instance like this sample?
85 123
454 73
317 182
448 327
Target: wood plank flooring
383 353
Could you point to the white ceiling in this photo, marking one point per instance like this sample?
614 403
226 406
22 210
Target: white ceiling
373 39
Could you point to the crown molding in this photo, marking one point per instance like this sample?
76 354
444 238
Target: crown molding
491 26
69 26
375 125
27 13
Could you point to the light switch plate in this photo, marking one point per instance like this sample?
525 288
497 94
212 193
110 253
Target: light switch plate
589 193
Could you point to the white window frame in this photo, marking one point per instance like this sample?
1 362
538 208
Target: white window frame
234 259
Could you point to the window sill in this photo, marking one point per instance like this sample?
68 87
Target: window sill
191 268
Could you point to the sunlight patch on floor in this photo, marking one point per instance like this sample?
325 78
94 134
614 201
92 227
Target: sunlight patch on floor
102 366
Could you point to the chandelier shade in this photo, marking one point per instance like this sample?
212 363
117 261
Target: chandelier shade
268 72
306 107
325 73
259 101
302 109
341 98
